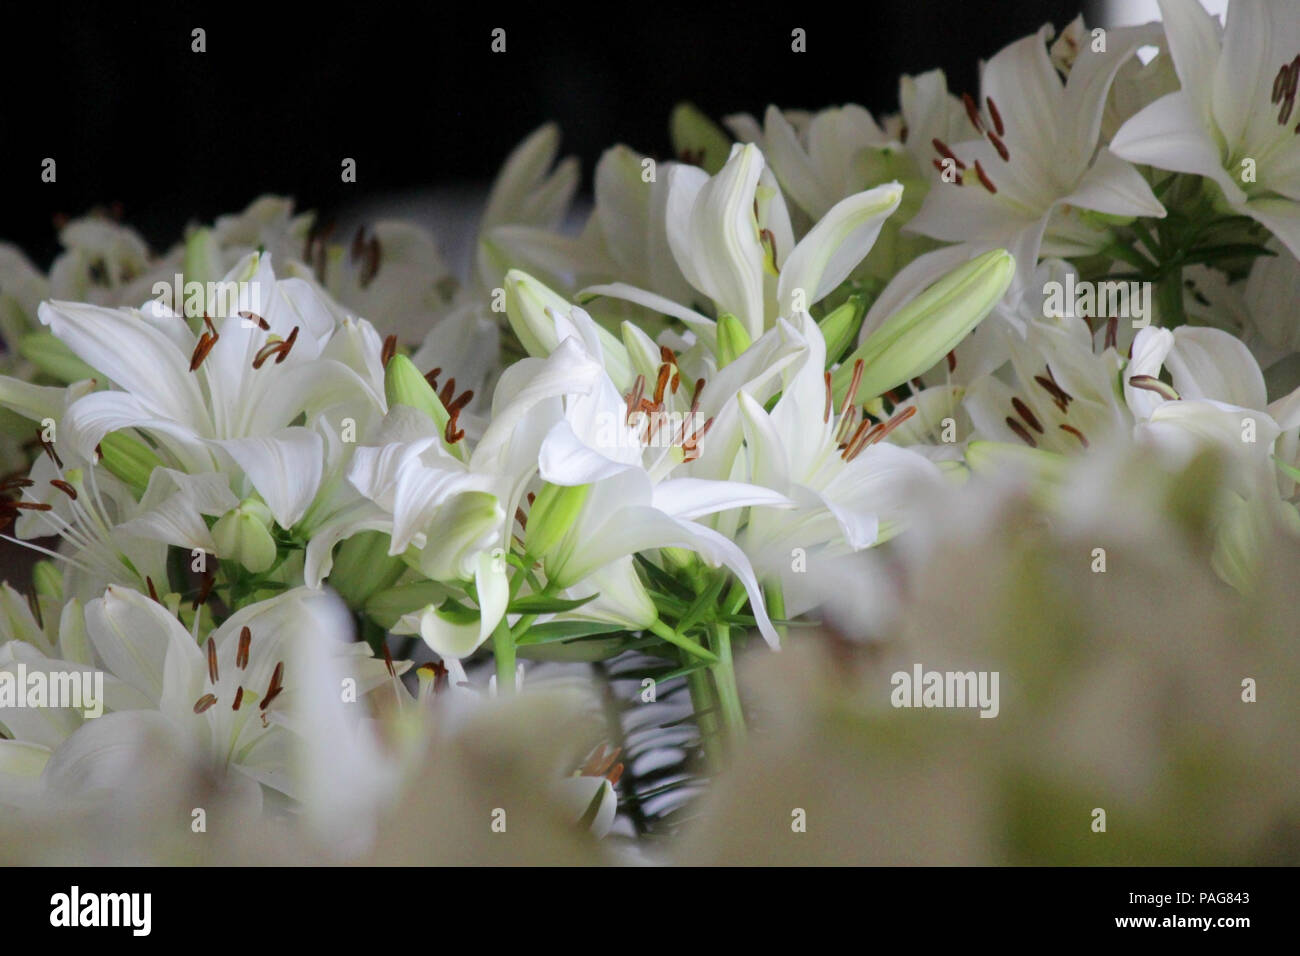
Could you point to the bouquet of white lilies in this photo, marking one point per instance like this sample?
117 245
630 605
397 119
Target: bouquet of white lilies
322 524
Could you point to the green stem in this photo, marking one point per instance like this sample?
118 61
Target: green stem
1169 299
706 715
724 677
503 651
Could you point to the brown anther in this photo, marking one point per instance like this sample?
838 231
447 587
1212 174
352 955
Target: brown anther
388 351
1059 395
942 149
239 698
64 487
661 383
279 349
995 116
1020 430
1000 146
665 353
1023 411
984 178
972 112
854 383
522 518
952 362
213 673
201 350
388 662
634 396
830 400
432 377
859 437
957 178
203 703
675 383
48 448
241 652
448 392
32 506
253 317
153 591
615 773
1076 433
205 589
207 321
274 688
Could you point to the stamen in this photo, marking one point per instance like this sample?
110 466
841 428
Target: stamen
262 324
942 149
972 112
388 662
1152 384
239 698
854 382
1076 433
984 178
48 448
205 589
1000 146
1020 430
241 652
64 487
153 592
995 115
389 350
826 415
201 350
213 673
1023 411
203 703
273 689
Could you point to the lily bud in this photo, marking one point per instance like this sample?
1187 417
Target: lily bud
696 136
363 566
840 326
527 302
129 459
202 261
733 339
404 385
54 358
243 535
926 329
554 510
47 580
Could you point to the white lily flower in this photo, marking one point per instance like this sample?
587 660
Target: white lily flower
732 239
848 487
1037 158
227 706
1233 121
226 397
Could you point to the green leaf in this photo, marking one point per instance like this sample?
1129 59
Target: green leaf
545 604
553 631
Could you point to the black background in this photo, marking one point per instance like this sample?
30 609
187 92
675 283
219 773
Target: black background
131 115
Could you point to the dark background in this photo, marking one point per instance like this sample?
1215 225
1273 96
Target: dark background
132 116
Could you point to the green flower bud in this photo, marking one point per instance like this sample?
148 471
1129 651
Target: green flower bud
54 358
47 580
129 459
840 326
404 385
554 510
733 339
698 139
926 329
362 566
243 535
